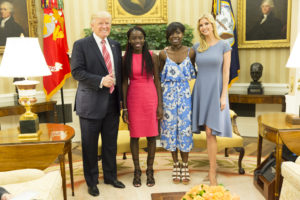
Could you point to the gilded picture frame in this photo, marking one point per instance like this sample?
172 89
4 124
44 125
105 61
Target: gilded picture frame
250 17
138 11
24 14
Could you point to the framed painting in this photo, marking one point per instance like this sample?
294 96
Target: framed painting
138 11
264 23
17 17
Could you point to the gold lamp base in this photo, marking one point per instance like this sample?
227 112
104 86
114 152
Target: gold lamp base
29 121
30 136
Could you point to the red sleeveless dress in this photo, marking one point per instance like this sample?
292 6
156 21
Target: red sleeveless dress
141 101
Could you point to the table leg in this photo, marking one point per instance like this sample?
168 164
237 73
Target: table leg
71 167
259 147
63 174
278 169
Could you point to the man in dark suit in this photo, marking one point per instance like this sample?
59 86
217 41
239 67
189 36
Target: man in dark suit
4 195
8 26
96 65
268 27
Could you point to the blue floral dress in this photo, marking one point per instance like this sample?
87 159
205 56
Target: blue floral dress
177 105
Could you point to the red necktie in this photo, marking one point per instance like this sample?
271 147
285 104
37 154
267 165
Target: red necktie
107 62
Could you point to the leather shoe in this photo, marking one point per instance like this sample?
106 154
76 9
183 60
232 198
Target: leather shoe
115 183
93 190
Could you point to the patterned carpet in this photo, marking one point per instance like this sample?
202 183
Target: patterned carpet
198 165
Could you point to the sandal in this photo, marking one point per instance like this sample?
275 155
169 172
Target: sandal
137 178
150 179
176 173
185 175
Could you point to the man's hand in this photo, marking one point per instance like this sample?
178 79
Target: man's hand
108 81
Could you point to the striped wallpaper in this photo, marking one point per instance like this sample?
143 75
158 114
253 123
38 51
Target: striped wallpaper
77 15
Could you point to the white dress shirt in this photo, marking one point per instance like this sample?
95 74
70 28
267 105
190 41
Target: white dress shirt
98 41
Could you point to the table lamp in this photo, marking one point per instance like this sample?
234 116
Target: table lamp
23 58
294 92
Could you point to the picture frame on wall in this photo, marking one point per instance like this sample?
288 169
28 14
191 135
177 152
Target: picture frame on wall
138 11
23 20
264 23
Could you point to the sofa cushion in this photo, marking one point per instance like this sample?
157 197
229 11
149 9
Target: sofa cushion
47 187
123 142
19 176
291 172
222 142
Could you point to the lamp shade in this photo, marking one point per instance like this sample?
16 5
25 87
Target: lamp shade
294 59
23 57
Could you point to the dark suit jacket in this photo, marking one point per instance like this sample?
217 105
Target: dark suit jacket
88 68
2 191
269 30
11 29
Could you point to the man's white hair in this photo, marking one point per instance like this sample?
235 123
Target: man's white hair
268 2
8 5
100 14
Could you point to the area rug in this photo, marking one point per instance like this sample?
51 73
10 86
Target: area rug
241 185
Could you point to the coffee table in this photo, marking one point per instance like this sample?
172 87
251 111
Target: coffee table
54 142
167 196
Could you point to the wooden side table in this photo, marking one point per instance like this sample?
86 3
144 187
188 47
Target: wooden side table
16 109
273 127
258 99
55 142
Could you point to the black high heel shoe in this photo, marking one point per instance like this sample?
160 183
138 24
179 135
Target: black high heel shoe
137 178
150 178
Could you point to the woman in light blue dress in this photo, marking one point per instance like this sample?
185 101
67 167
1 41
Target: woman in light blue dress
176 69
210 93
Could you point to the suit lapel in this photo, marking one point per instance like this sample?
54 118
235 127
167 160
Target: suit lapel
96 50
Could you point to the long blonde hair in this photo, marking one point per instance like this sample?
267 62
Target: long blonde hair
203 44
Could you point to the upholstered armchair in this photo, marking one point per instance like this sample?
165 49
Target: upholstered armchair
47 186
290 189
223 143
123 140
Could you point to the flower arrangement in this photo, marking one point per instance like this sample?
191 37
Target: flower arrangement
205 192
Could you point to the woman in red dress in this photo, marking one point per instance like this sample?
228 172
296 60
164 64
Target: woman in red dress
142 99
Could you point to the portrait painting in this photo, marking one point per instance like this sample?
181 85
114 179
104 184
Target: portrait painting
17 17
264 23
138 11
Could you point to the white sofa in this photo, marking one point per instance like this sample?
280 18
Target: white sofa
48 186
290 189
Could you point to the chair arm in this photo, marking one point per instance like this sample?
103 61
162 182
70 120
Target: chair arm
233 116
19 176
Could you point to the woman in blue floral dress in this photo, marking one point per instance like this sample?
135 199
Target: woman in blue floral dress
176 69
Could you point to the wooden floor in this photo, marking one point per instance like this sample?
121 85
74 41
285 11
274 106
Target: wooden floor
250 144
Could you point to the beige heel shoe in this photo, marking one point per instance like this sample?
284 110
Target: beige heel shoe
176 173
185 174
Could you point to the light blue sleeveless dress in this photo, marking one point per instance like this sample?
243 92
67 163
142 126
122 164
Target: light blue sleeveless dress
207 91
176 124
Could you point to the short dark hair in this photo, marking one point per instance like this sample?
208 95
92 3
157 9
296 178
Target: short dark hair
173 27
